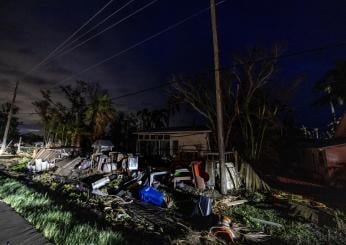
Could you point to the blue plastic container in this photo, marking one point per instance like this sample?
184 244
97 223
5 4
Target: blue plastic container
151 195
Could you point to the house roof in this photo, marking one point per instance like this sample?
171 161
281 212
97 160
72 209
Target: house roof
324 143
175 130
98 143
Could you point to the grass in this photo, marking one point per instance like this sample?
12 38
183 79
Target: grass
294 230
291 232
55 223
21 165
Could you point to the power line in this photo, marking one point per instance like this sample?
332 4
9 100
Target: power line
139 43
98 24
292 54
68 39
144 90
107 28
302 52
296 53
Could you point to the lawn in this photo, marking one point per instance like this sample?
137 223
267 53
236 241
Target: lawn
288 224
56 224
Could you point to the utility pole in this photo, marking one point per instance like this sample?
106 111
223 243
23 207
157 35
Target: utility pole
219 116
4 139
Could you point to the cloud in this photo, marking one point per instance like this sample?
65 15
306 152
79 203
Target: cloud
27 40
57 69
7 70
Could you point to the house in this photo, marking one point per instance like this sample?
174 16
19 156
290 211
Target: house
102 145
172 141
325 162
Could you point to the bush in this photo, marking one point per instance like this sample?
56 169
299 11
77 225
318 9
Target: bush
21 165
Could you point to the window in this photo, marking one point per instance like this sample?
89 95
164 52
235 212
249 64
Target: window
321 158
149 148
175 146
153 148
164 148
143 147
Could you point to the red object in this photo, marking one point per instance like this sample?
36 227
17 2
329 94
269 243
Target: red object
199 181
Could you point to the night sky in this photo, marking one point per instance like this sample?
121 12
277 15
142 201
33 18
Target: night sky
30 29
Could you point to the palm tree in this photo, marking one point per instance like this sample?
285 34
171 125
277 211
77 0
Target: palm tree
159 118
100 113
333 86
89 107
153 119
144 117
42 108
77 97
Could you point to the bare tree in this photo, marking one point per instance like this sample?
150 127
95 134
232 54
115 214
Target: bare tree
245 105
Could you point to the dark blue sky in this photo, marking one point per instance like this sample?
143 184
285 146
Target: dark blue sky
30 29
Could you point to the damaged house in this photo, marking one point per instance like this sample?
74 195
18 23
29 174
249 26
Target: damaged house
102 146
326 161
173 142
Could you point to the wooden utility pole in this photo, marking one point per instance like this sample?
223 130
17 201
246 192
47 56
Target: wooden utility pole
219 116
4 139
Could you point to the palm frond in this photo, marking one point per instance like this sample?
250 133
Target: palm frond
251 179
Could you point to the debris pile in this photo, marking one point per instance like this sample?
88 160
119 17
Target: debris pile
45 159
175 199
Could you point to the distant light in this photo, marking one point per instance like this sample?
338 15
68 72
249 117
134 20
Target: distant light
328 89
340 101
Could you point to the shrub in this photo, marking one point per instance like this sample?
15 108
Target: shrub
21 165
